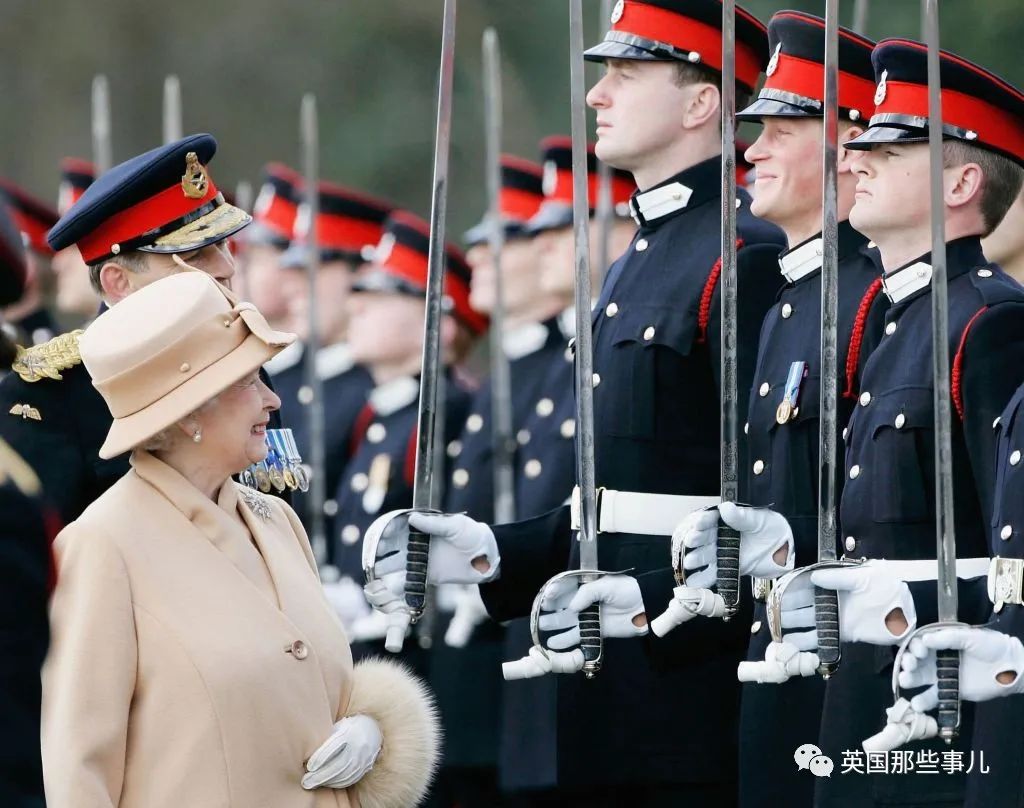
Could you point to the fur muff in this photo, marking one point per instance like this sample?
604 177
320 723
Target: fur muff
404 709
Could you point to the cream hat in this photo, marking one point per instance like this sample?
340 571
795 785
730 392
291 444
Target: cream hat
167 349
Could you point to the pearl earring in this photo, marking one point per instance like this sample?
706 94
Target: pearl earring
197 436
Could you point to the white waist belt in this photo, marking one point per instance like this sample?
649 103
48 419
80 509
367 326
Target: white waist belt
645 514
1005 582
928 569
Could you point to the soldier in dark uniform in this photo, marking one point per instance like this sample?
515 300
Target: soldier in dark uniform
887 509
656 409
1005 244
30 315
781 468
76 300
386 337
129 226
348 225
545 460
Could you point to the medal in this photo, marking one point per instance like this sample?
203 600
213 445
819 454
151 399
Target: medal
789 407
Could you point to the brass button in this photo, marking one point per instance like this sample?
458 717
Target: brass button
523 437
454 448
758 466
568 428
850 544
746 428
649 333
755 627
359 482
1006 533
611 310
597 379
901 419
330 507
460 478
764 389
297 649
376 433
532 469
350 534
641 244
1015 457
865 398
545 407
475 422
890 328
787 311
854 472
305 394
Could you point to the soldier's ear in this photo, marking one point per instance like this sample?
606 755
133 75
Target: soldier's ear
847 157
704 105
963 184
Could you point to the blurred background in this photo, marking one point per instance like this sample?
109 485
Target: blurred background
243 68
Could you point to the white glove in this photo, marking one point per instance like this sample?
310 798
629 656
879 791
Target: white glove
782 661
539 662
867 594
347 599
687 603
469 613
619 598
346 756
903 725
390 617
762 533
455 541
798 613
984 654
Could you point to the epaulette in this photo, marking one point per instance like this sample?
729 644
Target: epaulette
45 361
14 469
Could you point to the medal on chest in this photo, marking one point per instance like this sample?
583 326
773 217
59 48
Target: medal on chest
789 407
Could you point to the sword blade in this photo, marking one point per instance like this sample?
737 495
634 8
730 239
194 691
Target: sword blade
501 385
860 15
310 138
101 149
604 210
172 109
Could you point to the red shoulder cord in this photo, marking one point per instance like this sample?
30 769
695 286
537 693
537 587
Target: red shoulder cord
362 423
958 366
857 337
704 312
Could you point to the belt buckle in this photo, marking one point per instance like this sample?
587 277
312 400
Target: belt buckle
1005 581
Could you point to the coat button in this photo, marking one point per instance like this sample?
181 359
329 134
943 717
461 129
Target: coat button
641 244
359 482
545 407
649 333
376 433
764 389
1015 457
523 437
746 428
454 448
305 395
995 423
460 478
568 428
850 544
475 422
1006 532
755 627
890 328
787 311
297 649
330 508
758 466
901 419
350 534
865 398
846 431
611 310
854 472
532 469
597 379
984 273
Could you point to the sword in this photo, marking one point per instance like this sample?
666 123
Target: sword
243 199
947 661
728 549
101 149
501 385
860 15
826 601
604 208
172 109
310 138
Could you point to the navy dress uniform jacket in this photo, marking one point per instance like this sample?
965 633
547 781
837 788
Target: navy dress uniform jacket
776 719
656 408
888 503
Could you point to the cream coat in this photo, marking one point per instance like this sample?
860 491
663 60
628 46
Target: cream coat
182 672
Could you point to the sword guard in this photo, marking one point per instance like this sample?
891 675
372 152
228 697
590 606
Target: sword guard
947 670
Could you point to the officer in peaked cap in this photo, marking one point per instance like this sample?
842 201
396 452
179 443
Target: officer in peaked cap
781 469
75 296
31 315
141 221
386 337
888 502
348 226
656 410
272 230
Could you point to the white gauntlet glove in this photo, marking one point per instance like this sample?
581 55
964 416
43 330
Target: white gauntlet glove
867 595
455 541
782 661
686 604
763 532
346 756
903 725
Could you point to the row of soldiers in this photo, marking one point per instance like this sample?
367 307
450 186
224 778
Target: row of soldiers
667 719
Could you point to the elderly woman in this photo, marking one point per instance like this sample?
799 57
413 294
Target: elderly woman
195 661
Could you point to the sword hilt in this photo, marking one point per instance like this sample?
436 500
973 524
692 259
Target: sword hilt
590 640
728 558
947 669
417 558
826 621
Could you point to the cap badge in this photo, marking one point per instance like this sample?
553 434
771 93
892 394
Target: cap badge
620 6
194 182
773 65
882 87
550 178
384 248
303 221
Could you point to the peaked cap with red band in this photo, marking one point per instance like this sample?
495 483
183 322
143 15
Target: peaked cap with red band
683 31
349 223
522 191
795 86
31 216
400 264
163 201
556 210
12 259
276 206
75 176
978 107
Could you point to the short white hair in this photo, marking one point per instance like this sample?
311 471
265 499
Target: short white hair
166 438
